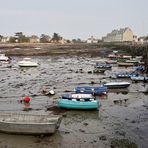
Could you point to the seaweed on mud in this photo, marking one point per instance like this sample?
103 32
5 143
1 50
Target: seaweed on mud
122 143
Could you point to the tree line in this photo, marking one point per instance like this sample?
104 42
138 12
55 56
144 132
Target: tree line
19 37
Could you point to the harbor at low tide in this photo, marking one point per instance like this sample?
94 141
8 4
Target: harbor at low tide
123 113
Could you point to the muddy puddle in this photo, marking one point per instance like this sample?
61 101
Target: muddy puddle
123 113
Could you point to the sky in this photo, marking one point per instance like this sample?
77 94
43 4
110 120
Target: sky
73 19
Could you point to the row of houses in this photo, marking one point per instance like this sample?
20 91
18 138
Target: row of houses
31 39
121 35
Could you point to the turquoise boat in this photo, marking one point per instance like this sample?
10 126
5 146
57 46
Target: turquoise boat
74 104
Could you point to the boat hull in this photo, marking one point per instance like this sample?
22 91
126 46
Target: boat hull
139 78
99 70
3 57
125 64
27 62
123 76
91 90
28 65
69 104
30 129
28 124
117 85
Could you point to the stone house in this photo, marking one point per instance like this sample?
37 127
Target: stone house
122 35
92 40
34 39
5 39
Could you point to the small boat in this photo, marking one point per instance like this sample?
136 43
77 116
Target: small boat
78 101
78 96
123 75
135 62
125 64
103 66
91 90
78 104
27 62
111 61
26 123
4 58
126 57
139 68
139 78
114 56
99 70
117 84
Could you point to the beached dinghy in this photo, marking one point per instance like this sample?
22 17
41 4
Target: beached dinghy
27 62
75 104
122 75
91 90
139 78
117 84
26 123
103 66
78 101
4 58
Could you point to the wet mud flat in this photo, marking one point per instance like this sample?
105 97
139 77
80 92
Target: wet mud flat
44 49
121 120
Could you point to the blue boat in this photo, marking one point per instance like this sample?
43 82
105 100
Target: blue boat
139 68
139 78
91 90
74 104
117 84
123 75
103 66
134 74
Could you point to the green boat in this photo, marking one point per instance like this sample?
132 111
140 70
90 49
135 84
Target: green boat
74 104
